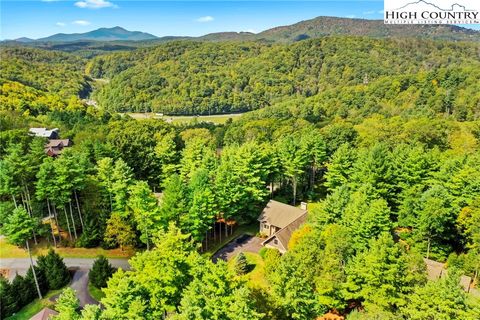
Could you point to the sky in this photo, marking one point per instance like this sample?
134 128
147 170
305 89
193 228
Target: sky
41 18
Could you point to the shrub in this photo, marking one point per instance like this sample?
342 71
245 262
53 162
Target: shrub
101 271
262 252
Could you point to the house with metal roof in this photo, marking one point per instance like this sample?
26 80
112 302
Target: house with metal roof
278 221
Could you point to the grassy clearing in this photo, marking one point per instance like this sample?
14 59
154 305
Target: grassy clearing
35 306
10 251
96 293
250 229
216 119
256 276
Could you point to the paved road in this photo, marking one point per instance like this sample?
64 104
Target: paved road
80 277
21 265
244 243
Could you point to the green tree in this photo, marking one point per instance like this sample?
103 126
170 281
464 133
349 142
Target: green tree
366 218
294 159
17 229
382 275
38 277
202 299
241 180
101 271
374 168
175 201
121 180
166 151
91 312
199 151
67 305
241 264
340 167
119 232
145 211
23 290
8 298
441 299
435 221
203 208
55 270
154 285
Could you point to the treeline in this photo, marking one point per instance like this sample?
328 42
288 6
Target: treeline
100 191
390 190
203 78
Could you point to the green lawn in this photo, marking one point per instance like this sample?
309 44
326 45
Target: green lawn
96 293
217 119
35 306
10 251
256 276
250 229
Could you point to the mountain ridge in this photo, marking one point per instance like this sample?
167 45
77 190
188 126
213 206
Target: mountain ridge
311 28
100 34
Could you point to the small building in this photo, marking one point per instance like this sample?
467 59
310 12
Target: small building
278 221
54 147
44 133
45 314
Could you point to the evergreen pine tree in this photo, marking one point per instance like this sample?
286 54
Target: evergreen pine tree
8 300
55 270
101 271
23 291
241 264
41 278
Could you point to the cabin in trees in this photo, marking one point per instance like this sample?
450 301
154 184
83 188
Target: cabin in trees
55 146
278 221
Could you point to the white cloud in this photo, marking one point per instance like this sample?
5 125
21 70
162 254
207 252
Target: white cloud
95 4
351 16
81 22
369 12
381 11
205 19
61 24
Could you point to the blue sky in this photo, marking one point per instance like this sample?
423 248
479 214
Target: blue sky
37 18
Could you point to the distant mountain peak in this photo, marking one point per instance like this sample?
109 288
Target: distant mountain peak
101 34
24 39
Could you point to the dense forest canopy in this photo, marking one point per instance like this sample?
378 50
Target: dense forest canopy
204 78
380 137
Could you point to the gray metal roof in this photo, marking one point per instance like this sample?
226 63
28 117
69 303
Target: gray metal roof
280 214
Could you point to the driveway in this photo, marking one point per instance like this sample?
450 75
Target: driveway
244 243
79 282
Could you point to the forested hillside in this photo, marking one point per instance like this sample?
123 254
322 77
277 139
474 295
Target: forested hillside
203 78
380 137
48 71
326 26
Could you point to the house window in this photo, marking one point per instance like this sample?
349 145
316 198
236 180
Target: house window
266 226
275 241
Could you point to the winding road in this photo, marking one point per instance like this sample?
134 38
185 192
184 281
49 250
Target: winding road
80 266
